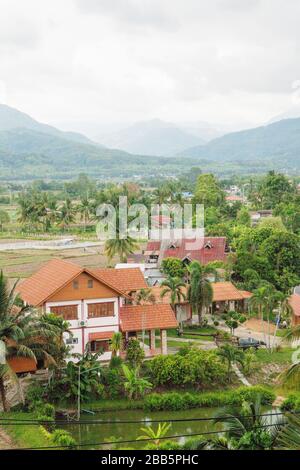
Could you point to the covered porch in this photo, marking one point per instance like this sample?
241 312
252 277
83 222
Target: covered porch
144 321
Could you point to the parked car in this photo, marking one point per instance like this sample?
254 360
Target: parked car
246 343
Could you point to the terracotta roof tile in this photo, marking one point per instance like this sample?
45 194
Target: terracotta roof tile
147 317
295 304
47 280
22 364
101 336
126 280
227 291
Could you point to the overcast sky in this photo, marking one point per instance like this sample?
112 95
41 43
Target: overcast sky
81 61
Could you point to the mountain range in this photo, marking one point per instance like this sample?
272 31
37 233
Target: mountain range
277 143
30 149
154 137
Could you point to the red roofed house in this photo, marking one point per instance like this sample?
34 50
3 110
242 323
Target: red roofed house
226 297
295 304
97 304
204 250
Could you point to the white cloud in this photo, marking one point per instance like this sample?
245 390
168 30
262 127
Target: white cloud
126 60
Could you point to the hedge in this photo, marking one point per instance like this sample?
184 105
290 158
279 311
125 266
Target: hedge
182 401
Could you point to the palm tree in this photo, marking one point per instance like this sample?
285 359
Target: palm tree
144 296
264 301
22 333
172 287
116 344
67 213
289 436
85 210
134 385
290 378
230 354
155 435
200 292
120 247
247 426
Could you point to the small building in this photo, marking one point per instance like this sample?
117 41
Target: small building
96 303
258 216
294 302
226 297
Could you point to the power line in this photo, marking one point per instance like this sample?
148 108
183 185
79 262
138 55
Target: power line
36 422
97 444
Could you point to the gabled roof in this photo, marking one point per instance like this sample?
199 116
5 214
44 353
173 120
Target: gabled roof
227 291
46 281
210 249
147 317
126 280
57 273
295 304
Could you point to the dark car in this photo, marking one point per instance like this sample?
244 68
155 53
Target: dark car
246 343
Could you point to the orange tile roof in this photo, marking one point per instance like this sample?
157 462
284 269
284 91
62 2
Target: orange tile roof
57 273
227 291
46 281
126 280
101 336
295 304
222 291
22 364
147 317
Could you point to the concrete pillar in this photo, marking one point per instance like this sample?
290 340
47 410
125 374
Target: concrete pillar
152 340
232 305
164 342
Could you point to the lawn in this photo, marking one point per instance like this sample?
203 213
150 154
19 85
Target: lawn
284 356
24 436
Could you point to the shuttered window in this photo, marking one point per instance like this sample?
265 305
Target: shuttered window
106 309
67 312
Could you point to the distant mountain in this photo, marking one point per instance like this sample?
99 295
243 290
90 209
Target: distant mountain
153 137
11 118
277 143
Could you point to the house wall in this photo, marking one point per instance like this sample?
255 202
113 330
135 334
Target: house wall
83 326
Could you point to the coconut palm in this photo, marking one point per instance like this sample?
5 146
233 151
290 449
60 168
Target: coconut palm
120 247
144 296
85 210
200 291
67 213
135 386
290 377
247 426
289 436
229 354
22 333
173 288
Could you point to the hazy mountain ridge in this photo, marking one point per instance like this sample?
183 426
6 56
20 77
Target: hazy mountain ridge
153 137
11 118
279 141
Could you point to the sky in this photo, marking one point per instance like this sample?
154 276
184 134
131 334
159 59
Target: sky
83 64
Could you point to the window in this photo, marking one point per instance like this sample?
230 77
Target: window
90 284
67 312
75 285
105 309
97 346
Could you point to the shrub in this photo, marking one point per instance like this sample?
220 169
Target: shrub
135 354
292 403
175 401
193 367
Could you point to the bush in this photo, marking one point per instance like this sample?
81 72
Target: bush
135 354
292 403
113 383
190 367
175 401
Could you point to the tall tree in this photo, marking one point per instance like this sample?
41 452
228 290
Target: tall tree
200 291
